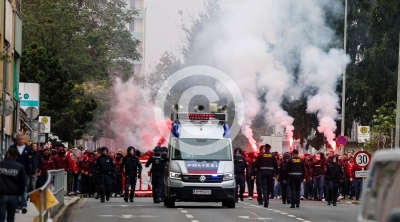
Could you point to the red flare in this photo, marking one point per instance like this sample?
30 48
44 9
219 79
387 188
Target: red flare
254 147
161 141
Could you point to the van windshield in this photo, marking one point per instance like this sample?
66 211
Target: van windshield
201 149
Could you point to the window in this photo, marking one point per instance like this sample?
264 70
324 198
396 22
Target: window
201 149
132 26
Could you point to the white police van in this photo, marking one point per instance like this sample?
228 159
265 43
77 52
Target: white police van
200 161
380 200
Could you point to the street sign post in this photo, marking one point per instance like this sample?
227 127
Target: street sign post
362 173
341 140
362 159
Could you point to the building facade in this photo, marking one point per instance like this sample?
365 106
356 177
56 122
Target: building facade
138 30
11 45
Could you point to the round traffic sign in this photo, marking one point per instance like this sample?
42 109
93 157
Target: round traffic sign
341 140
44 120
362 159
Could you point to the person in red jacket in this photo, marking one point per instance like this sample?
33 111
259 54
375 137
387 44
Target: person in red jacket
47 164
85 167
318 171
61 161
118 186
356 181
250 183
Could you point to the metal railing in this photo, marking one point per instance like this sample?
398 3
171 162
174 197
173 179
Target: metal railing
55 184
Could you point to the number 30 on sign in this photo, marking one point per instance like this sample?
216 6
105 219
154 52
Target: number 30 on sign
362 159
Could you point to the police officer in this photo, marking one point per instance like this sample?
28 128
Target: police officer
297 174
157 171
164 156
267 165
132 168
257 177
104 168
334 174
13 180
240 165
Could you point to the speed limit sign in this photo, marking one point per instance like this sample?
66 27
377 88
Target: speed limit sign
362 159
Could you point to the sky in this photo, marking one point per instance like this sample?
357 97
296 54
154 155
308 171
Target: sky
162 28
162 31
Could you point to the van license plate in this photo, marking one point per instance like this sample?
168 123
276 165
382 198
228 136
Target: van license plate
202 192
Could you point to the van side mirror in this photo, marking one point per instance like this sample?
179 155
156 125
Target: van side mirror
394 215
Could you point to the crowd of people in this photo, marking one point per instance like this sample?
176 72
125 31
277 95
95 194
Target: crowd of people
324 178
289 176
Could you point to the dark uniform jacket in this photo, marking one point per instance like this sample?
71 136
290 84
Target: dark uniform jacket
265 161
132 165
12 178
240 165
104 165
296 167
157 164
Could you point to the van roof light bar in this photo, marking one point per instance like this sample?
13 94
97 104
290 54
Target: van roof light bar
199 117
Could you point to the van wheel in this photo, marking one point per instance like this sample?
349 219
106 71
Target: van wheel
170 203
231 204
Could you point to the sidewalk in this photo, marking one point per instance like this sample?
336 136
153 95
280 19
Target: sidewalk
32 212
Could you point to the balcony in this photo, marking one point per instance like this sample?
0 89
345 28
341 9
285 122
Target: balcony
141 13
137 35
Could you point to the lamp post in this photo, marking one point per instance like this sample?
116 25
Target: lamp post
344 76
396 142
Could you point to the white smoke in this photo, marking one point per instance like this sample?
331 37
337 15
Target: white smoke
277 38
321 71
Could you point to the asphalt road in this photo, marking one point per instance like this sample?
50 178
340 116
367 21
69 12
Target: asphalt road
143 209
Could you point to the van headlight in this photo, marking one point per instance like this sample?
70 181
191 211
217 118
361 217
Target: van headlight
229 176
176 176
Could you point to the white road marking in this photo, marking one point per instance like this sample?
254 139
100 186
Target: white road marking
180 208
126 216
189 216
184 211
195 221
277 211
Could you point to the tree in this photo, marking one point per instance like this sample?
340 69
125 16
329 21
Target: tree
93 46
91 35
68 107
373 39
384 121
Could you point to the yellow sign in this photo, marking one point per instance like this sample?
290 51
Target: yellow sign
36 219
44 120
296 160
267 155
50 199
364 130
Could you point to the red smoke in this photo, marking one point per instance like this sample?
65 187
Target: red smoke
161 141
134 117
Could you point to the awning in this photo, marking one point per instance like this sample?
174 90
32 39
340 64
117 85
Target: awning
24 124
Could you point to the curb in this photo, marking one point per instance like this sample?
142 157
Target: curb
65 208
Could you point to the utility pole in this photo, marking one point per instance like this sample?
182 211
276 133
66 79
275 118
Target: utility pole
344 76
396 142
